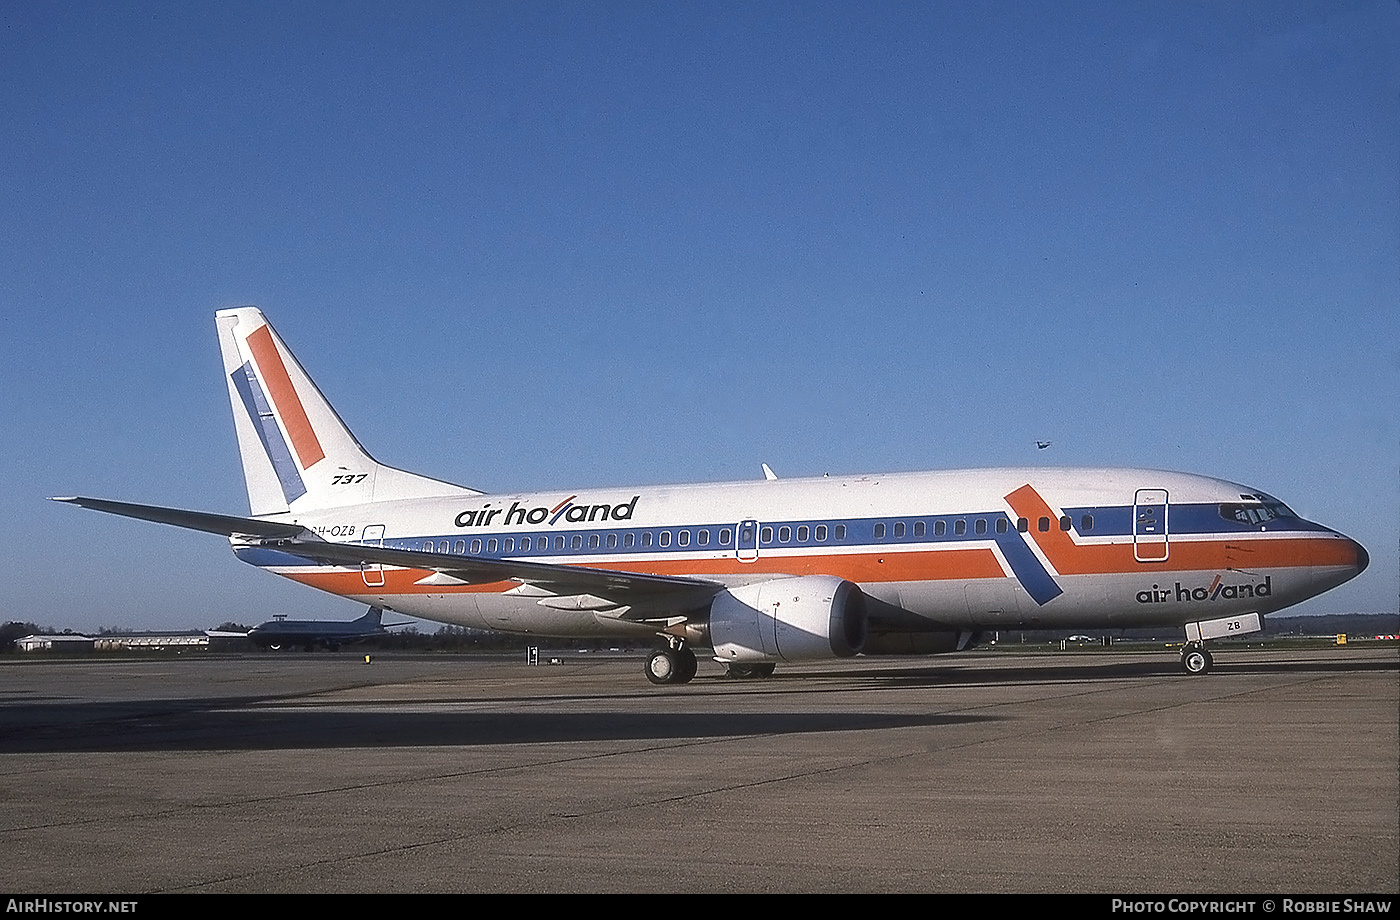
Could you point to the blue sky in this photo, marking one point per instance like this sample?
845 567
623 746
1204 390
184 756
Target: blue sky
546 245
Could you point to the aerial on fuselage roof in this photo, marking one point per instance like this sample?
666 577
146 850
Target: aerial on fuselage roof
755 573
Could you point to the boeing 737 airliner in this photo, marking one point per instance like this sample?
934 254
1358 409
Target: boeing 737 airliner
758 573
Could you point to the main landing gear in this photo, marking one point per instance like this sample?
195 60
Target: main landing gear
759 671
672 665
1195 659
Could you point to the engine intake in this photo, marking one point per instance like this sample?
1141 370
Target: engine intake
807 618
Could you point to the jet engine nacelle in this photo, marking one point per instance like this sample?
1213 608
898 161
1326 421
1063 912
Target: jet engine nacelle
808 618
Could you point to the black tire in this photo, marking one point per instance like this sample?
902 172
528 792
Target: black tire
760 671
688 666
663 666
1196 661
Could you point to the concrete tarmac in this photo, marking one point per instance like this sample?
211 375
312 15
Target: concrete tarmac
1096 772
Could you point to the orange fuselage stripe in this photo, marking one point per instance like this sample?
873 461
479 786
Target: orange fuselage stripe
867 568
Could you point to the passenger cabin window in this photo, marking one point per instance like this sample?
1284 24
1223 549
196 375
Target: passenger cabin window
593 541
1002 525
1065 523
959 527
724 536
784 534
703 537
476 547
981 525
821 532
840 531
940 528
802 534
665 538
879 531
1022 525
1086 523
899 529
918 528
1044 525
460 547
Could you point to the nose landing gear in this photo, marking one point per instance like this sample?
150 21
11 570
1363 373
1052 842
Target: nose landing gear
1195 659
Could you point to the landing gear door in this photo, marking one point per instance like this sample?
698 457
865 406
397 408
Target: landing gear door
373 574
1150 541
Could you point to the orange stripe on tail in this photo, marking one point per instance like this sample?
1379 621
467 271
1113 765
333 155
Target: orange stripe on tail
284 398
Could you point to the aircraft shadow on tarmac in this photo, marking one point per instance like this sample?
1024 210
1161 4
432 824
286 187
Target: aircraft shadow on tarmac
204 725
246 723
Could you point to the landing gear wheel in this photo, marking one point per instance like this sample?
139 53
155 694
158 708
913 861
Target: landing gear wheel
671 666
662 666
1196 660
688 666
736 671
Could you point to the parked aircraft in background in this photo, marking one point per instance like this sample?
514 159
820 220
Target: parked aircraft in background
280 632
757 573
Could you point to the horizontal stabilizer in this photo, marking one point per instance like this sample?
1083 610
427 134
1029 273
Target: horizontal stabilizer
224 524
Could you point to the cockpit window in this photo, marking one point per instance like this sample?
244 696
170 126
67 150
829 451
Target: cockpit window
1254 513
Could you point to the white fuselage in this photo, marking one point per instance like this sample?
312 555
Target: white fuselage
960 550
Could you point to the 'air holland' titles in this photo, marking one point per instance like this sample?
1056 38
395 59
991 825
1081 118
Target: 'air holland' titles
565 510
1217 591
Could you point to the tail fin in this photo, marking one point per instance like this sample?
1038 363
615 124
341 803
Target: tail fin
297 453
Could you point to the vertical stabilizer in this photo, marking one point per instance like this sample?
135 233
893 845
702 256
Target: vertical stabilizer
297 453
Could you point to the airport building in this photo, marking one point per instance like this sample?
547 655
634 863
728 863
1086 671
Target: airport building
72 642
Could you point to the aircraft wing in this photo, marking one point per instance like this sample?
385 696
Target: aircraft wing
645 593
636 589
